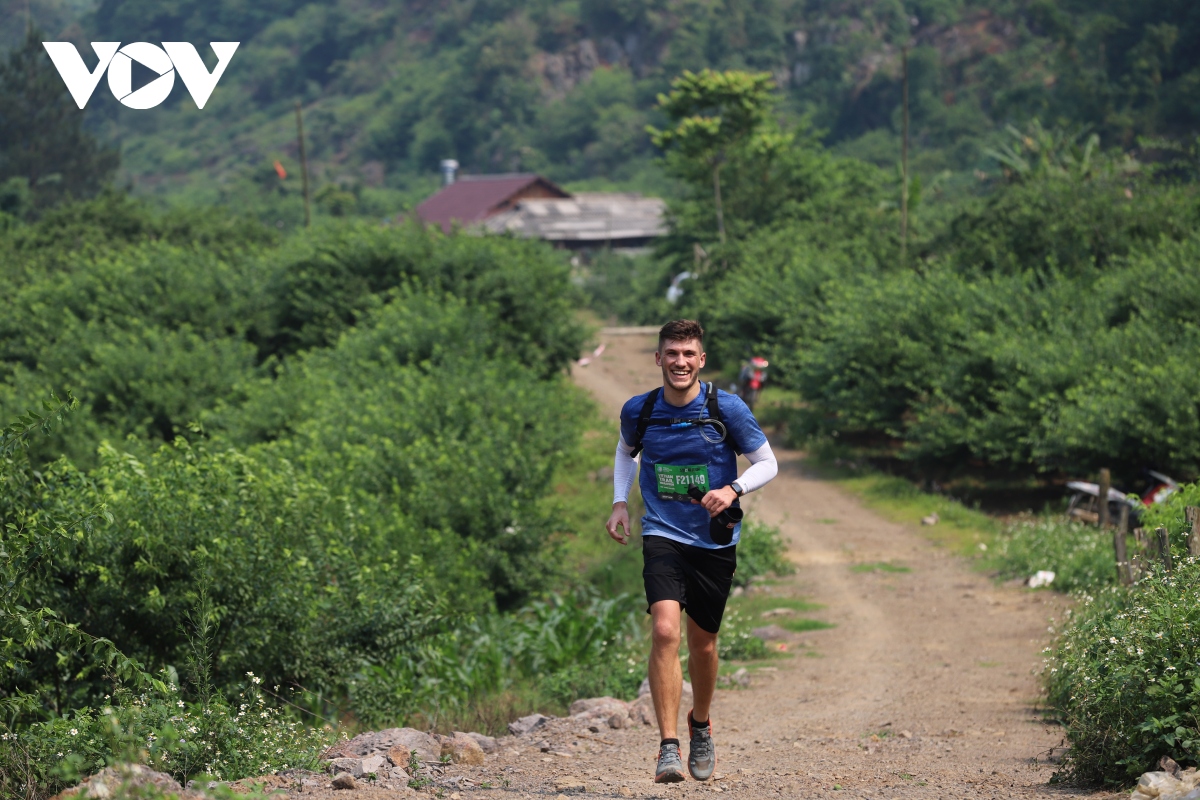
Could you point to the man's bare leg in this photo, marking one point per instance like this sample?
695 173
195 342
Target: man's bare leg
702 668
666 678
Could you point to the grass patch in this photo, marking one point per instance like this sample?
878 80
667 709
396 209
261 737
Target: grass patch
776 406
827 521
1080 556
756 605
879 566
582 500
959 528
804 625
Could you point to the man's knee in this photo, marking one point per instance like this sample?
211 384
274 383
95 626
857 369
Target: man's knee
665 633
704 645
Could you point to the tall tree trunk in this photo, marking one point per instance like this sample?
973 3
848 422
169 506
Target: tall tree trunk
717 198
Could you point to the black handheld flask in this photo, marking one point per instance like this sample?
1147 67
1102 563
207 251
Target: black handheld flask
720 527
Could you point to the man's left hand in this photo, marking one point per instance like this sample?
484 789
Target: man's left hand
718 500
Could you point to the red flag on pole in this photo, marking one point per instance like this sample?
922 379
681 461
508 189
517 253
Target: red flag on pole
280 171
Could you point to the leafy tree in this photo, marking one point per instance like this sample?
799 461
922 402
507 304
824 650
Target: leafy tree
42 139
714 113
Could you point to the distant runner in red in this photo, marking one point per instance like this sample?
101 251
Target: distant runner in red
689 435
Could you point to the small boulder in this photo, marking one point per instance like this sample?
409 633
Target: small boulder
120 780
372 765
1168 765
601 711
527 725
932 519
349 766
486 743
769 633
585 705
739 678
462 749
641 711
382 742
344 781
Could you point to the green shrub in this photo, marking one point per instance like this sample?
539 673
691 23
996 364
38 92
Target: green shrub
736 643
761 550
414 412
566 647
244 737
1124 679
324 282
1171 514
1081 556
292 602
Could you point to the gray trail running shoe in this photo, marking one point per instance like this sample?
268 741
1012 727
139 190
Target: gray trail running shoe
670 765
702 755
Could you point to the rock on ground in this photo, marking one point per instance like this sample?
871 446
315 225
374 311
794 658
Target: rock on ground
461 748
119 780
1171 783
486 743
387 743
527 725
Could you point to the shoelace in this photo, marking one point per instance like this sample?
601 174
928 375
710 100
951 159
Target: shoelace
700 745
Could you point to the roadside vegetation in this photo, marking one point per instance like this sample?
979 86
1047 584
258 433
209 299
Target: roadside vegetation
310 480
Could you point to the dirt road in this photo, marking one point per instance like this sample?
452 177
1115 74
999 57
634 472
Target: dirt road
925 687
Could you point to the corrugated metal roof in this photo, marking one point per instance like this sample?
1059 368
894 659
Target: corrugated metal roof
584 217
474 197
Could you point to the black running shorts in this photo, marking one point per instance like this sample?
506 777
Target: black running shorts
698 577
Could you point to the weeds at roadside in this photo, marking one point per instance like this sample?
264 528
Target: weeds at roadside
805 625
880 566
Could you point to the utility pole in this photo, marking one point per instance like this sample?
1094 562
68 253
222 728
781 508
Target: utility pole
904 162
303 162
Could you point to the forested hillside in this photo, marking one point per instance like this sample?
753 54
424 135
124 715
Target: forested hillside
566 88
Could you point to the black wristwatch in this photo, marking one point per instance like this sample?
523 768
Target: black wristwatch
737 487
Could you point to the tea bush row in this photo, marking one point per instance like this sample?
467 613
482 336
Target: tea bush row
1016 336
331 449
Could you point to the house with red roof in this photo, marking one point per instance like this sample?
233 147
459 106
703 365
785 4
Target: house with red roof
530 206
473 198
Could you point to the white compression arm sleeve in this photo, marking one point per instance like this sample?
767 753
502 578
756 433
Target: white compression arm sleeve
763 467
624 468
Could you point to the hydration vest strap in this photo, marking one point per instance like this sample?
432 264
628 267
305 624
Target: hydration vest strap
644 421
710 404
710 400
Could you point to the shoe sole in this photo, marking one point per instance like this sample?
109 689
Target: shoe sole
714 766
669 777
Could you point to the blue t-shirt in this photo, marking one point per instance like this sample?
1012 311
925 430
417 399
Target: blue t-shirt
675 457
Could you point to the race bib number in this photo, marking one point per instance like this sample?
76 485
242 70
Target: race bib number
674 480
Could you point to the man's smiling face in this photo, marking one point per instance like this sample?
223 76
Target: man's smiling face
681 363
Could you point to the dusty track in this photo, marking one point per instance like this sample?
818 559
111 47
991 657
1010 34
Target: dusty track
925 687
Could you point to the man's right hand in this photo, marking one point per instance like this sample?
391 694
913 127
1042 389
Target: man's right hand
619 519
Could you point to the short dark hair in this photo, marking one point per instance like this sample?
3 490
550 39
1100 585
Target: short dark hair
681 330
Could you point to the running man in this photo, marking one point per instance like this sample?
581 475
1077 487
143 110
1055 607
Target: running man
689 434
